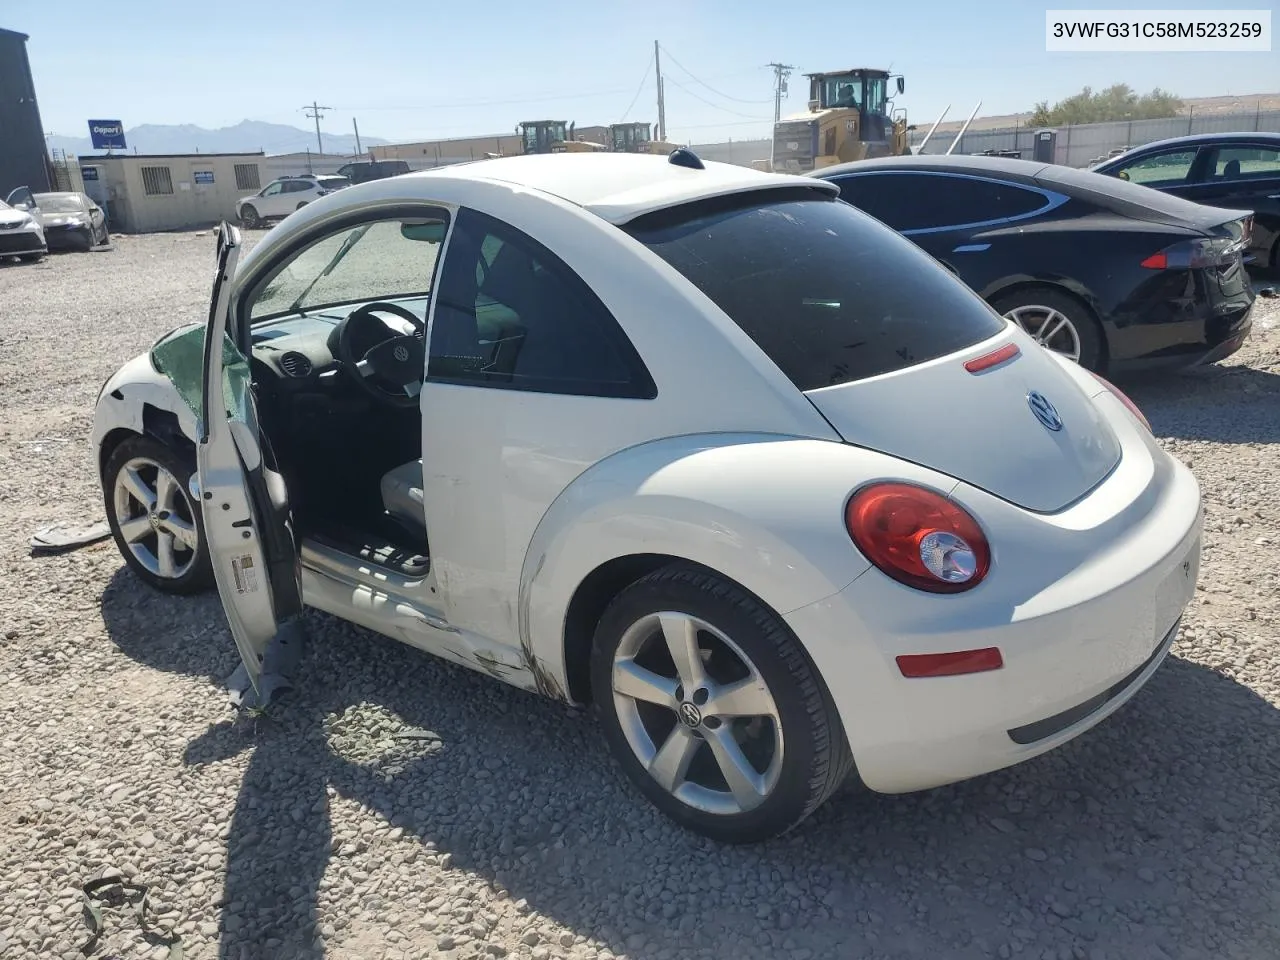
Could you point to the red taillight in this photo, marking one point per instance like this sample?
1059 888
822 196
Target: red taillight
1123 398
950 664
1203 253
918 537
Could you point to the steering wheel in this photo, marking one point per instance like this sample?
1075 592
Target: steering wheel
390 371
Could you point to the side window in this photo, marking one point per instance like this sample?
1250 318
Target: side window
1160 170
922 201
272 189
884 196
1246 163
510 314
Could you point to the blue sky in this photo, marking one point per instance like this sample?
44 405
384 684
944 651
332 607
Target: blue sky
408 69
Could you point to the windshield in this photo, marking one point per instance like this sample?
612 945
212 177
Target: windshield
842 91
371 262
828 293
59 203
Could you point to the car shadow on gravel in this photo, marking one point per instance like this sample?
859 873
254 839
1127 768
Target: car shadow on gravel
1223 404
1156 835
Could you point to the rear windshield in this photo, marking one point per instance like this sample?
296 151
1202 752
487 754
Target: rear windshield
828 293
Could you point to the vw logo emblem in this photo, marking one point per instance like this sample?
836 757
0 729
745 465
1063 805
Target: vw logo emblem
690 715
401 353
1044 411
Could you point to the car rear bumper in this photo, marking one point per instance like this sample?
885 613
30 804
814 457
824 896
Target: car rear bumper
1184 322
1074 651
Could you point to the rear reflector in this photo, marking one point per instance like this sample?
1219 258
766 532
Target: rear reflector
951 664
995 358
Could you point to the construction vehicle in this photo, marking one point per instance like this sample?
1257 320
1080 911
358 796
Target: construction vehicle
850 117
636 137
553 136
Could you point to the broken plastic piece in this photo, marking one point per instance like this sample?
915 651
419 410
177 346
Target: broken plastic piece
64 537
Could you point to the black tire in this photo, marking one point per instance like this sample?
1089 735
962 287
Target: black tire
1085 324
249 218
198 576
300 205
815 759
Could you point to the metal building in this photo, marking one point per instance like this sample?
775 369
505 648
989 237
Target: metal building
23 159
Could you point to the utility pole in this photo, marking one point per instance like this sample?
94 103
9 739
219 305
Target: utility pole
781 71
316 113
662 107
356 127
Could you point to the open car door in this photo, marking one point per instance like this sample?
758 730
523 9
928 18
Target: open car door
248 525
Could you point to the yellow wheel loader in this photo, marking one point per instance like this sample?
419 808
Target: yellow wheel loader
850 117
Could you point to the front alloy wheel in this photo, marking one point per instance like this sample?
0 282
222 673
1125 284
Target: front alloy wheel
153 518
713 709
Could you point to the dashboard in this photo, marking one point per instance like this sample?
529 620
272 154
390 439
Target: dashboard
300 351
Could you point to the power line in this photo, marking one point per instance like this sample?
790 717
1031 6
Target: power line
317 112
703 83
715 106
639 90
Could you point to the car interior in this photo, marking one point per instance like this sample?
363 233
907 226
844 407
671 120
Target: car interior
337 386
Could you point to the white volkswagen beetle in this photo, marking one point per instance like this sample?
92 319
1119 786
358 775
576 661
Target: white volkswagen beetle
704 446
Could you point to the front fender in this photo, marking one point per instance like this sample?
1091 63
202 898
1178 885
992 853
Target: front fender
126 395
765 511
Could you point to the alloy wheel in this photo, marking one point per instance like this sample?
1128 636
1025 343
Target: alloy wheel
697 713
1050 328
155 518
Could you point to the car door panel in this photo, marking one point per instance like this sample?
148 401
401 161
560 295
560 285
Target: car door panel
248 526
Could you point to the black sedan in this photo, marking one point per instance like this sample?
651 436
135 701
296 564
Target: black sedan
1240 171
1113 275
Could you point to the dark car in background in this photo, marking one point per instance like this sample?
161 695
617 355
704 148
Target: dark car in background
1113 275
362 171
1240 171
71 221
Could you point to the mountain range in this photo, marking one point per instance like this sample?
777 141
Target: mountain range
247 136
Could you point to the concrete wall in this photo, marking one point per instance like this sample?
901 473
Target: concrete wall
1080 145
438 153
193 202
741 152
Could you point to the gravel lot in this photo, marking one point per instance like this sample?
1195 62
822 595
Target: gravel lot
400 807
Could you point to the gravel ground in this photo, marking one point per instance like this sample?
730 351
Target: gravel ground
400 807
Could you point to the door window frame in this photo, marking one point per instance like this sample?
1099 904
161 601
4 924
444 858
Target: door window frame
1052 198
1211 163
241 320
640 384
1195 170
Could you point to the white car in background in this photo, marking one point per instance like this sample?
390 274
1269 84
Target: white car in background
283 196
701 445
21 235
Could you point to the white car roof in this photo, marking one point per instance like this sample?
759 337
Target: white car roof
621 186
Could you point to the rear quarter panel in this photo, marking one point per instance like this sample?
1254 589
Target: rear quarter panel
762 510
1095 257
